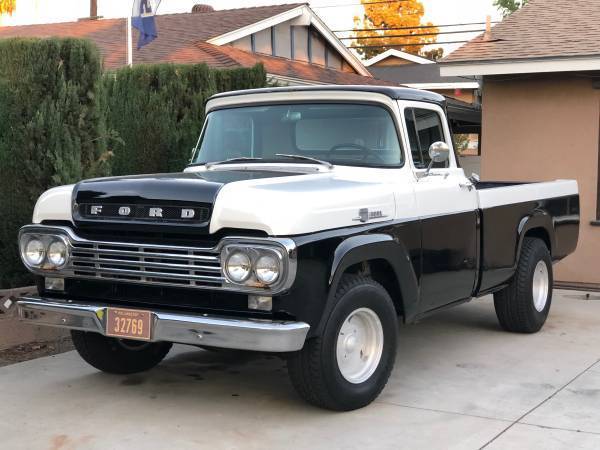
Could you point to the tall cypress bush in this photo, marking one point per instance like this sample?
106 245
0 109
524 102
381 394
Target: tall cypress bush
52 130
158 111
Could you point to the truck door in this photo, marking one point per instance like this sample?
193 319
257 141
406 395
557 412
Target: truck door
447 208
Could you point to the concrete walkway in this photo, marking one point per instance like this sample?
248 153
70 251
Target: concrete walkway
460 382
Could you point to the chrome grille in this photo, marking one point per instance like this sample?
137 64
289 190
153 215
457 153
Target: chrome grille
151 264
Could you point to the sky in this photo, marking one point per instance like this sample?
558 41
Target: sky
436 11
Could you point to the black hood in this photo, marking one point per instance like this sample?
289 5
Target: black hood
181 200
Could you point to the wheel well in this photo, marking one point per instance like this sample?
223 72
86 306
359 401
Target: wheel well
540 233
381 271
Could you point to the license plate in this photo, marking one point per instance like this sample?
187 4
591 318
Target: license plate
128 323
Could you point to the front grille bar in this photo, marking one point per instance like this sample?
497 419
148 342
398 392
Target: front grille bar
148 264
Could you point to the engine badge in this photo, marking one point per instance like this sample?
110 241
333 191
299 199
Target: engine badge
364 215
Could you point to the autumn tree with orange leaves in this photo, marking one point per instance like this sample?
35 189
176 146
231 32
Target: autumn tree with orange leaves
7 6
390 15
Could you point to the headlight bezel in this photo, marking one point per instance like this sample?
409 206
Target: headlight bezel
47 240
283 252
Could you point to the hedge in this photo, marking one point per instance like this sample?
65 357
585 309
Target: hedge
52 130
158 111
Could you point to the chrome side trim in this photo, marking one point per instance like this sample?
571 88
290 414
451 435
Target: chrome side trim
213 331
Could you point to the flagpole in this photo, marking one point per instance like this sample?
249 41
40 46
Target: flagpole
129 43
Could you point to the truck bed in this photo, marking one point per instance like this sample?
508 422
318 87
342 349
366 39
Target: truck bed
509 210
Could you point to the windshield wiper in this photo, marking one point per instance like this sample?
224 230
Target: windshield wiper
306 158
208 165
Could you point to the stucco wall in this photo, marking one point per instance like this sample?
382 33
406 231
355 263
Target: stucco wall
544 129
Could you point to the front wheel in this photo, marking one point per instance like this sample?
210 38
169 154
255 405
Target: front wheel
349 364
524 304
120 356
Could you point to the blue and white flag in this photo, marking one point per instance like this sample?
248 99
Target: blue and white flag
142 18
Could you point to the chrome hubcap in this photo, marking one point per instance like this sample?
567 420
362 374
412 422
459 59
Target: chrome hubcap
359 345
541 286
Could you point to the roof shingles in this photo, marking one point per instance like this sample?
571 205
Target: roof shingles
288 68
541 29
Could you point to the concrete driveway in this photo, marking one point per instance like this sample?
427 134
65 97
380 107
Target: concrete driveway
459 382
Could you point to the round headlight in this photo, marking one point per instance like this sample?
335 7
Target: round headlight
34 252
238 267
267 269
57 253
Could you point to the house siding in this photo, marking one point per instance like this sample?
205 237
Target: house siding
546 128
262 42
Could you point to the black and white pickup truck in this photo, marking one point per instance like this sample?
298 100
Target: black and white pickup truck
310 222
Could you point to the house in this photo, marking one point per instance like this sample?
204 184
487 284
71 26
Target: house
541 109
291 41
421 73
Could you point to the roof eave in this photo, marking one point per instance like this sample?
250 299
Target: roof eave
392 52
517 66
444 85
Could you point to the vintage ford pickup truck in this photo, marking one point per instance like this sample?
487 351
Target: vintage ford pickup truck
309 223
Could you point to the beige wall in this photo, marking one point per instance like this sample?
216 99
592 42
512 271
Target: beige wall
544 129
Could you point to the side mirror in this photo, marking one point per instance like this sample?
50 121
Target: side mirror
438 152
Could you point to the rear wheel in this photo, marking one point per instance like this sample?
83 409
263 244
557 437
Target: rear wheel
121 356
523 306
349 364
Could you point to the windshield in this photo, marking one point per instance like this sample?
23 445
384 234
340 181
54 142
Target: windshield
344 134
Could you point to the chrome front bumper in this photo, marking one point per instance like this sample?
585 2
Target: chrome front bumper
213 331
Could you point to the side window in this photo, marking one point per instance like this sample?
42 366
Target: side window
424 128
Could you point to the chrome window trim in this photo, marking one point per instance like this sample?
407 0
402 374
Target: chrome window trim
286 246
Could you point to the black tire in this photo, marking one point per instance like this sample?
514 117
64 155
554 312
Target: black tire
314 370
514 304
118 356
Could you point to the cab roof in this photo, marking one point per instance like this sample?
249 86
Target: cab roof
396 93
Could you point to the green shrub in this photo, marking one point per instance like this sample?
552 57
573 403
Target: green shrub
158 111
52 130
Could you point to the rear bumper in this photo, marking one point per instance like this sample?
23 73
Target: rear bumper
213 331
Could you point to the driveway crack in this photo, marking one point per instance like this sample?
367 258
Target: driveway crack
551 396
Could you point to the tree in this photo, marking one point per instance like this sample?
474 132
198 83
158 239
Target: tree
7 6
395 14
434 54
507 7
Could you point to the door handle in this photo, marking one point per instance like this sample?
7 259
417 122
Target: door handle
466 185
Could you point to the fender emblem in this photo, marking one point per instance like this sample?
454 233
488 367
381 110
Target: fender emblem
364 215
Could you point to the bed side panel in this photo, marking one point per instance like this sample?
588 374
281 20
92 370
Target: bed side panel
507 216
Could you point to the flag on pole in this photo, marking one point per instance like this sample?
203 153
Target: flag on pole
142 18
